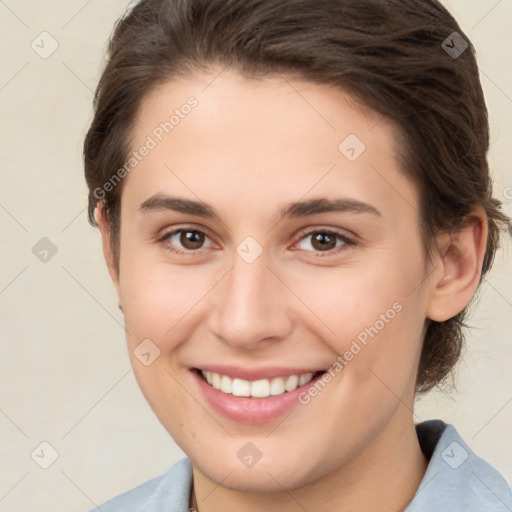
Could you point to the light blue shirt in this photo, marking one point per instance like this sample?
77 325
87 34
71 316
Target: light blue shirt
456 480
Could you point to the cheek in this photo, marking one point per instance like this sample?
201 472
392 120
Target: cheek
373 320
158 304
163 302
344 302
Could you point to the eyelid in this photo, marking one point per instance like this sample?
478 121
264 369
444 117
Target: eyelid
325 229
166 232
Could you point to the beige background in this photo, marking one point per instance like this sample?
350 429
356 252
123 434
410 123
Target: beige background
65 373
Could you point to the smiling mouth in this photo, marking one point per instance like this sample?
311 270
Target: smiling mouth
262 388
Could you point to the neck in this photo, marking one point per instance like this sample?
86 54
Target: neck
384 477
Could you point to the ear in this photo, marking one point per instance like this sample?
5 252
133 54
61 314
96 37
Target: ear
458 267
104 227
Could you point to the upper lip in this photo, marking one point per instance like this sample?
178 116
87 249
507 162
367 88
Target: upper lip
251 374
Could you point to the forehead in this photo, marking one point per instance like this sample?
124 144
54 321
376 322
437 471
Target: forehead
223 135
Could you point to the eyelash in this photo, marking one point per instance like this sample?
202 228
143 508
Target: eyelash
339 236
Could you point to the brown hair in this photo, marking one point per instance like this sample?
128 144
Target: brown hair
389 54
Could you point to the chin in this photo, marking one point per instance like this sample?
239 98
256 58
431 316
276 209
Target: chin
261 479
281 470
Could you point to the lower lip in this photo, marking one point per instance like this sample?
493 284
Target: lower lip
249 409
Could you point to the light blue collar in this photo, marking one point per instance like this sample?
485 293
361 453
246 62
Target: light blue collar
456 478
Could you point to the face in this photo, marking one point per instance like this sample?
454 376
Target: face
270 245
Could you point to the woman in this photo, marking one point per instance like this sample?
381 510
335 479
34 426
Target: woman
296 211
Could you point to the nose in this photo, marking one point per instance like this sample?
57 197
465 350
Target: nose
251 307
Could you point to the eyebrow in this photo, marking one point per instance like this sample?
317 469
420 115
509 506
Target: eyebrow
324 205
297 209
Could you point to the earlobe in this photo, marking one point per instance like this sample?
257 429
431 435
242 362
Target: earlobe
460 261
104 227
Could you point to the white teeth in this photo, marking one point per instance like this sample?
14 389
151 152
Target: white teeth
240 387
215 380
226 385
305 378
277 386
291 383
262 388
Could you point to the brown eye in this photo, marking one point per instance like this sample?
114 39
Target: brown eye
191 240
185 241
323 241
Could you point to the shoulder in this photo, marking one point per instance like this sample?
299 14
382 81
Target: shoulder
456 478
169 491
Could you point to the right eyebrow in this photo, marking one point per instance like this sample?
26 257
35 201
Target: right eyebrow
160 202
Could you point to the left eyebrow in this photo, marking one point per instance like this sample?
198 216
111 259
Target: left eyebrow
324 205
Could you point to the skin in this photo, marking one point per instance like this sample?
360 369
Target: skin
250 147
